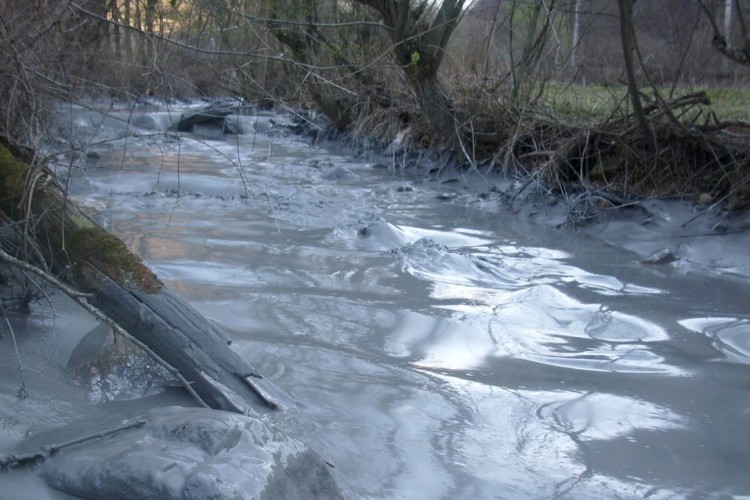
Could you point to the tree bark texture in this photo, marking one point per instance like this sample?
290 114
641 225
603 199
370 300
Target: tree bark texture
419 43
627 34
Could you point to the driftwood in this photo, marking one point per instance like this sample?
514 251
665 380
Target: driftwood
120 285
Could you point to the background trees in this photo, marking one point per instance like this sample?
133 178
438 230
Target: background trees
442 68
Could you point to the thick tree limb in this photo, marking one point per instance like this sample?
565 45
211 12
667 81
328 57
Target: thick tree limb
627 34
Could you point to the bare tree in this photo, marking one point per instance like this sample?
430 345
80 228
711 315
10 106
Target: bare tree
420 32
727 29
576 32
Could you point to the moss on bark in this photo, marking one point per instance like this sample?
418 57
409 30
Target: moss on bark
70 236
12 179
111 256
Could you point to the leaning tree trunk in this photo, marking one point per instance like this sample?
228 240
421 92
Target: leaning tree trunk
127 291
722 41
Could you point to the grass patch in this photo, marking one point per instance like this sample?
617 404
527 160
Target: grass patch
730 103
584 102
599 102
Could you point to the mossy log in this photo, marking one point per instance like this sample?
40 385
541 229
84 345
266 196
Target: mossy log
127 291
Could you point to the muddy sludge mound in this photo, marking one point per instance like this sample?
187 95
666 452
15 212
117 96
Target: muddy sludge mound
192 453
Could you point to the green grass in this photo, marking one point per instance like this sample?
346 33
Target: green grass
730 103
594 102
597 102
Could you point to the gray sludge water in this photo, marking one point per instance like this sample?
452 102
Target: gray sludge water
435 348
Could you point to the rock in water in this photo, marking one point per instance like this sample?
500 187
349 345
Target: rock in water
215 114
189 453
660 258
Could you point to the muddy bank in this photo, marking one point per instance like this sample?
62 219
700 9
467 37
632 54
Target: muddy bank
670 235
697 235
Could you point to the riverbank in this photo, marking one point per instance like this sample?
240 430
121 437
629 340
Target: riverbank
671 232
668 234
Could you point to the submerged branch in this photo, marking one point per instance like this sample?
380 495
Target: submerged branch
47 451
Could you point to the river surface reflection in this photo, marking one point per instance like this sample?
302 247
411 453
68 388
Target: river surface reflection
436 349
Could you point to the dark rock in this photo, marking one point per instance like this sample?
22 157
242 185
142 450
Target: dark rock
720 227
213 114
445 196
704 199
660 258
311 124
145 121
318 164
339 173
233 125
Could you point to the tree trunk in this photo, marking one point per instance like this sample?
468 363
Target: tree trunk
727 31
627 34
127 291
576 32
419 46
115 12
128 39
150 16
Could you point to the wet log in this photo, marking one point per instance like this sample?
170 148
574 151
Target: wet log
126 290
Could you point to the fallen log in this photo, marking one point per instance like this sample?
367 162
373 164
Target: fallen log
127 291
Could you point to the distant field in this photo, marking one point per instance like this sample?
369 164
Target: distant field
597 102
730 103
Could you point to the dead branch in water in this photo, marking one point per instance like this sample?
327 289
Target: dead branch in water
47 451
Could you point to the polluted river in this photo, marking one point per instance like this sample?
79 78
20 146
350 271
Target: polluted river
435 341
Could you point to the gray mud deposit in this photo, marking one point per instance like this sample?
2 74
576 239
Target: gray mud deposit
192 454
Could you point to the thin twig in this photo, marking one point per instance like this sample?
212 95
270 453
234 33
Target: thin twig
22 393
